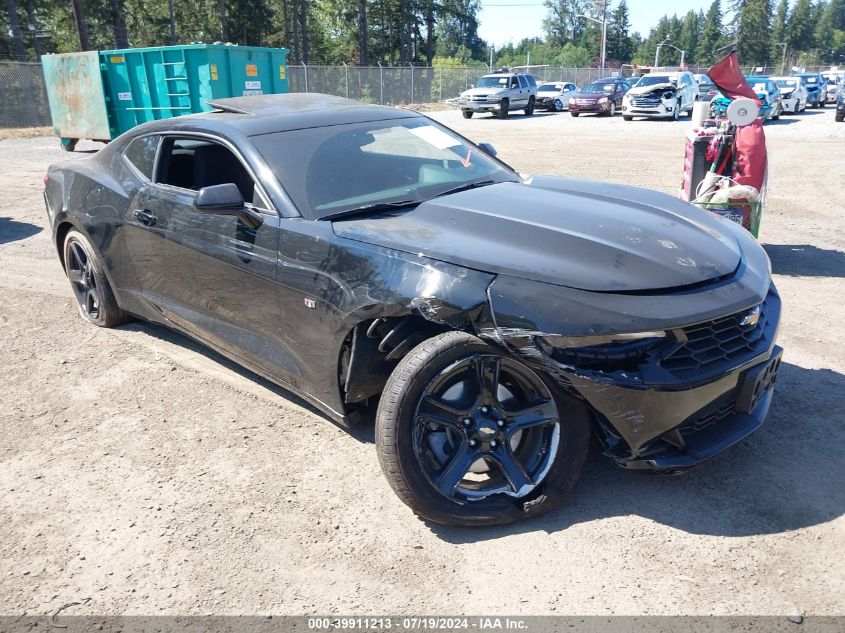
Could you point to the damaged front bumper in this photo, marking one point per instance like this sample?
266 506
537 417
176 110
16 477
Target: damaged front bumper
671 403
727 411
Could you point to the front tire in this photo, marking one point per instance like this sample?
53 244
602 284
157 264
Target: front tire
468 436
611 112
467 114
504 109
529 109
558 105
575 114
91 289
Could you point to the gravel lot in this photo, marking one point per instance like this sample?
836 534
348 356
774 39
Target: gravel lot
146 473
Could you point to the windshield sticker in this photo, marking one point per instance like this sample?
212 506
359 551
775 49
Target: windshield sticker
466 162
435 137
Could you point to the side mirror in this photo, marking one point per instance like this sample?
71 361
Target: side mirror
487 148
226 199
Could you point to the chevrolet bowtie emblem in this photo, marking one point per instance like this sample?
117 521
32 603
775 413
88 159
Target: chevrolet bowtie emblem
751 318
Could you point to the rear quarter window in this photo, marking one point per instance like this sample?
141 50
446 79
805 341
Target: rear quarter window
142 153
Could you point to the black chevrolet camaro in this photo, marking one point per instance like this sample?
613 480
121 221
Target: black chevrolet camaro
360 255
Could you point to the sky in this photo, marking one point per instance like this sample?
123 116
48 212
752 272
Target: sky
504 20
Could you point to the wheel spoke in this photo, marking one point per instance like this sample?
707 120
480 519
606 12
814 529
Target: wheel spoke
519 481
541 413
92 305
79 255
487 370
75 276
455 470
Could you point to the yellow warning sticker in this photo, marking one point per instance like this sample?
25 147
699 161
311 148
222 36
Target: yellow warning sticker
281 72
214 72
117 59
251 70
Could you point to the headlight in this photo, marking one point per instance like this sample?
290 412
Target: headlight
572 101
603 100
607 352
787 95
493 99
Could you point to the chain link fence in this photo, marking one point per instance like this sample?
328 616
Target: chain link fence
23 98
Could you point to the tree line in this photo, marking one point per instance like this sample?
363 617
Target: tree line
429 32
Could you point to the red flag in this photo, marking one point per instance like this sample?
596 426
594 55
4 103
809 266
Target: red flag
729 79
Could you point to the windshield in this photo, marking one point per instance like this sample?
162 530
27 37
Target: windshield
597 87
759 86
549 88
651 80
330 170
492 82
787 83
811 80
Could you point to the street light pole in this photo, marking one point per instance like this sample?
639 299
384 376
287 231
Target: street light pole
603 23
783 57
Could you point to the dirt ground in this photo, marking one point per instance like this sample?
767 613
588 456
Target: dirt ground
146 473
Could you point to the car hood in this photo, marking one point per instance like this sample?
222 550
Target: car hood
642 90
592 96
482 91
580 234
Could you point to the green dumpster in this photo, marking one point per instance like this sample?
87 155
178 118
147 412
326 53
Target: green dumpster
100 94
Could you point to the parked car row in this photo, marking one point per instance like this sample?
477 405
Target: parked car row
667 95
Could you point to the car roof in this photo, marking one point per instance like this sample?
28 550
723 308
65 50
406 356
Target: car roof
265 114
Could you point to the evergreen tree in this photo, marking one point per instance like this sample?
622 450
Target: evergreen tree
754 33
620 47
690 35
712 35
800 28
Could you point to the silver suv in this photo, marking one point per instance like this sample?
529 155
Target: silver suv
500 94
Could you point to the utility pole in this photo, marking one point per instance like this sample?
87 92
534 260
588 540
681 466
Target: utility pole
603 33
84 42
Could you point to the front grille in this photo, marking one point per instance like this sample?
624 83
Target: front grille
723 343
646 102
585 102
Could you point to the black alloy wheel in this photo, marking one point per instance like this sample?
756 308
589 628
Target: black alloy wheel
91 289
469 436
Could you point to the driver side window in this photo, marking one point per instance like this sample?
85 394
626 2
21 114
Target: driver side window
194 163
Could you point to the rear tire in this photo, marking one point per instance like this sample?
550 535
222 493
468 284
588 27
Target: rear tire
840 116
467 114
417 453
91 289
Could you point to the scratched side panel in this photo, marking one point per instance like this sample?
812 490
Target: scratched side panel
351 282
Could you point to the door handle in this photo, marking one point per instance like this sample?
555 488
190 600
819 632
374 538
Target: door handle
145 217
